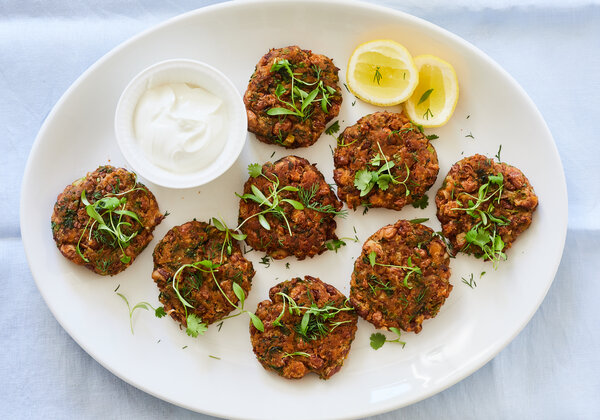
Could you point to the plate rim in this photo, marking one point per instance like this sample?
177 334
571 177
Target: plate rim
383 406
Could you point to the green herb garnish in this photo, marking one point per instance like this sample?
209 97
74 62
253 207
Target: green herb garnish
470 281
484 233
296 353
316 322
422 220
376 284
424 96
378 76
271 202
497 155
378 339
195 326
307 196
421 203
255 170
409 269
266 261
158 312
106 215
333 128
366 179
301 101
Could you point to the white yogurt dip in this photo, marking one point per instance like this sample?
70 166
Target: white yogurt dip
180 127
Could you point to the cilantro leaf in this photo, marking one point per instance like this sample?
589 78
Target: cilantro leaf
160 312
334 244
254 170
364 180
333 128
377 340
477 237
421 203
432 137
195 326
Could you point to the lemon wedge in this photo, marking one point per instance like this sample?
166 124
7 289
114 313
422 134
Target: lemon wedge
382 72
433 101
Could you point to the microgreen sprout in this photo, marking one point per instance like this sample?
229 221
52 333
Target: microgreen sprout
300 103
229 234
271 202
106 215
195 326
159 312
419 126
335 244
484 234
296 353
340 141
316 322
409 269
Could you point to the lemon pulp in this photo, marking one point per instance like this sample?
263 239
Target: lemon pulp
434 99
381 72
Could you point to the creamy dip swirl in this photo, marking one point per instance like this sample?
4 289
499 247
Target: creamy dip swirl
180 127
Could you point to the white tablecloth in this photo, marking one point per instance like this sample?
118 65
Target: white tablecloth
552 48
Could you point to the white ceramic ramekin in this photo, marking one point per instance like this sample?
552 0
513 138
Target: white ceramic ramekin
194 73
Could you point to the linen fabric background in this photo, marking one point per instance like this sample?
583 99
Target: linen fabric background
552 48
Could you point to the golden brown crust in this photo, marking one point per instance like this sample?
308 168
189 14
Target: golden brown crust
71 223
291 131
408 292
310 229
402 143
283 349
516 204
187 244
